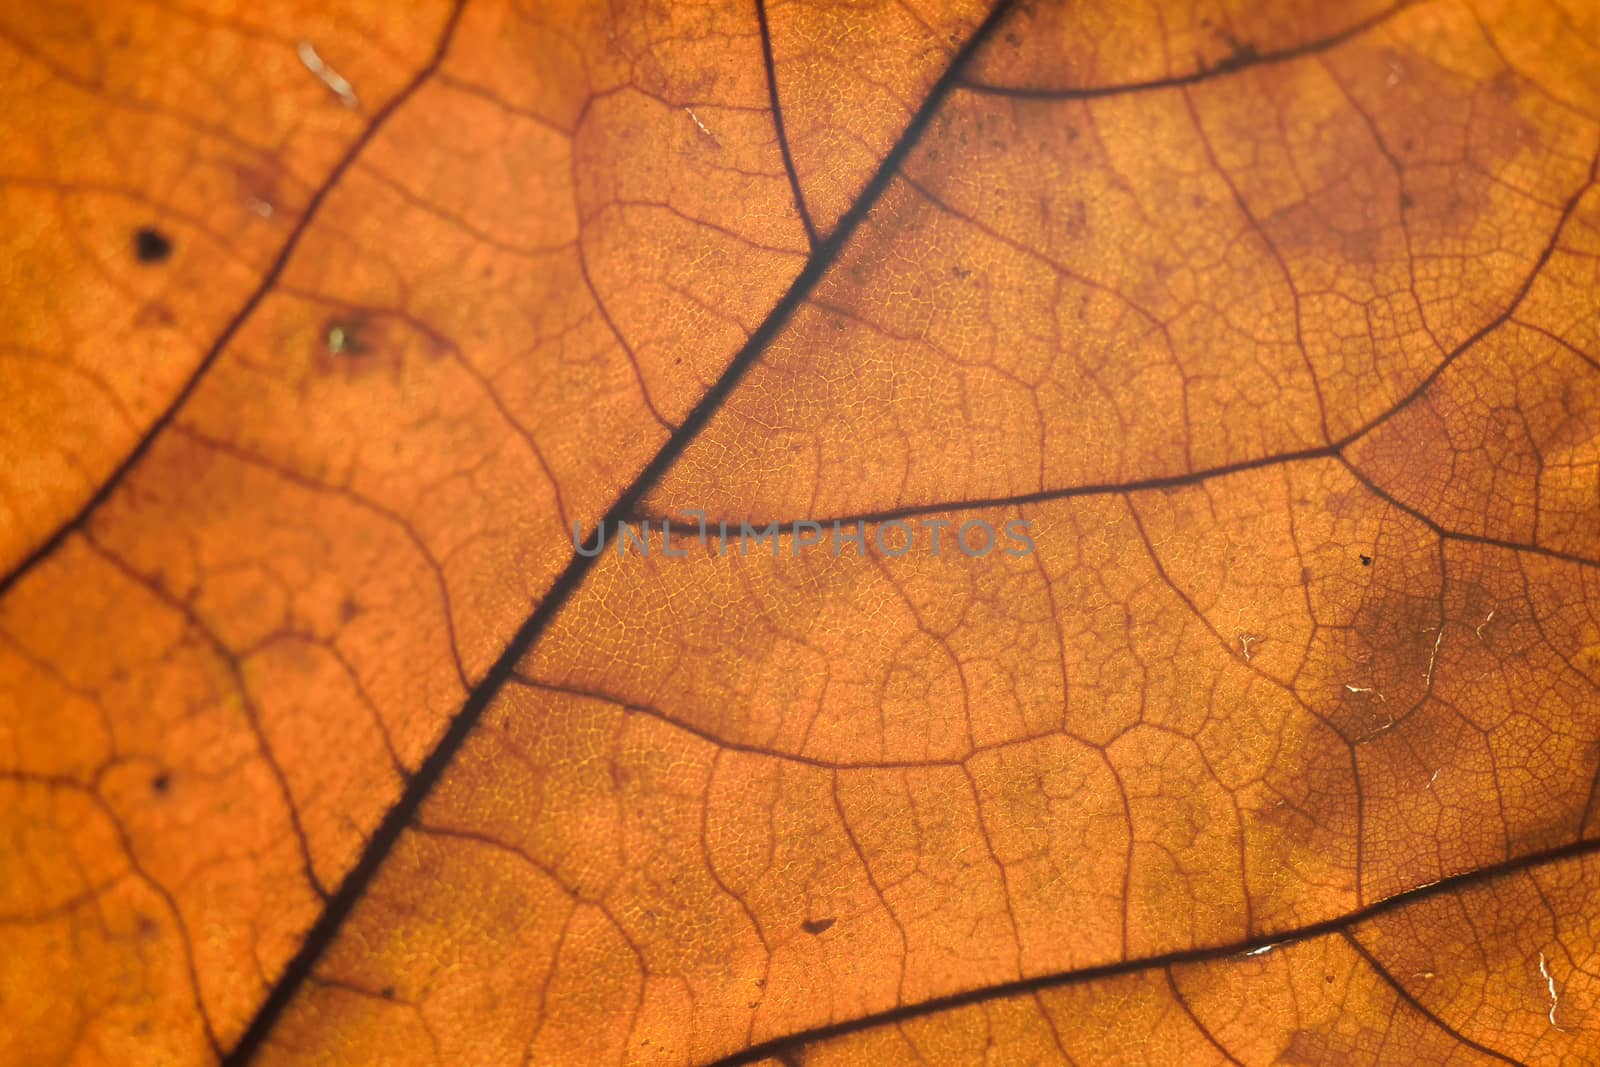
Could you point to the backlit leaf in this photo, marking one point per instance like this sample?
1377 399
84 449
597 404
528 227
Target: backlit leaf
1273 326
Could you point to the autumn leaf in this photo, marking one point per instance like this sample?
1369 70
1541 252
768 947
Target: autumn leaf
1274 327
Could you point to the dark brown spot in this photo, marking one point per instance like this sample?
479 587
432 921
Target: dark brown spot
1366 560
1240 54
817 926
160 783
151 245
155 316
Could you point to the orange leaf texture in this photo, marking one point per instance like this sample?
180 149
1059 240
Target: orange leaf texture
681 532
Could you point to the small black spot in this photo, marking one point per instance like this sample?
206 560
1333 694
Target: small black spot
387 992
1242 55
160 783
817 926
150 245
1366 560
1329 979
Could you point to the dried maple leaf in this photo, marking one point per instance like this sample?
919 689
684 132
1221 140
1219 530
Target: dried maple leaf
1273 327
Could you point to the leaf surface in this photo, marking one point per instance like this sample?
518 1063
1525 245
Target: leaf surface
320 743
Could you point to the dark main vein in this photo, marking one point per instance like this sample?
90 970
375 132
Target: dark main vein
1243 58
1022 987
1329 450
777 125
269 282
401 815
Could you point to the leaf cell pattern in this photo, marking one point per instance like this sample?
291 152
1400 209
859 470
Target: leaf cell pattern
325 324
